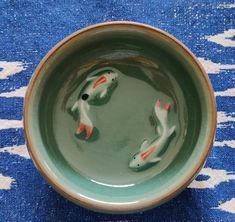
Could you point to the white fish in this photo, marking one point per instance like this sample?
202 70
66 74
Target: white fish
96 88
150 150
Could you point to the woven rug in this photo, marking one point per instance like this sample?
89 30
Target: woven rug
28 30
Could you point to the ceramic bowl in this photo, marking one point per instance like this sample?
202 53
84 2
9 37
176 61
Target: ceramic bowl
119 117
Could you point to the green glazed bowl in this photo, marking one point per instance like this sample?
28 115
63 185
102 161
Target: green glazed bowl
92 166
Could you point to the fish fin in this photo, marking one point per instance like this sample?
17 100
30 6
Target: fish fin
143 145
158 103
171 131
75 106
159 129
155 160
89 131
103 93
91 78
167 107
80 128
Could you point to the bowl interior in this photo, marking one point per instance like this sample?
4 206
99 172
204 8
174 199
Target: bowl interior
150 66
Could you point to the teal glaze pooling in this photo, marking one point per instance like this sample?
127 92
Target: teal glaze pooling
167 72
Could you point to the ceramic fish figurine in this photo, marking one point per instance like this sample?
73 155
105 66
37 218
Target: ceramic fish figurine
96 88
150 150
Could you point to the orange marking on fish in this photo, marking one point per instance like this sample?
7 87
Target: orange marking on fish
89 131
99 81
167 106
158 103
147 153
81 127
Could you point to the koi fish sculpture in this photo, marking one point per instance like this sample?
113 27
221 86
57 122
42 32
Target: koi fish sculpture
150 150
97 87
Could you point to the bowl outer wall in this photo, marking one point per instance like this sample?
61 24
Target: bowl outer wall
120 207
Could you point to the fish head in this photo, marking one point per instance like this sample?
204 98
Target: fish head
137 163
111 76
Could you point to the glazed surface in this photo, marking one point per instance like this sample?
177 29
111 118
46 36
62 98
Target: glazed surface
126 118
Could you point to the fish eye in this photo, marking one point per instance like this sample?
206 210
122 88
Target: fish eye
85 96
113 79
138 165
134 158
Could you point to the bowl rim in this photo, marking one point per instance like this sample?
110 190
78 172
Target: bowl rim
112 207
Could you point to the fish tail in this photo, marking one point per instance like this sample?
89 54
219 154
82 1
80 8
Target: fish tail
161 112
85 123
75 106
88 129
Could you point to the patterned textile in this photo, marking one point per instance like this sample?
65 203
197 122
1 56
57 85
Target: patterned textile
28 29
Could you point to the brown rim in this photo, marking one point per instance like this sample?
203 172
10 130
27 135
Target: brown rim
111 207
